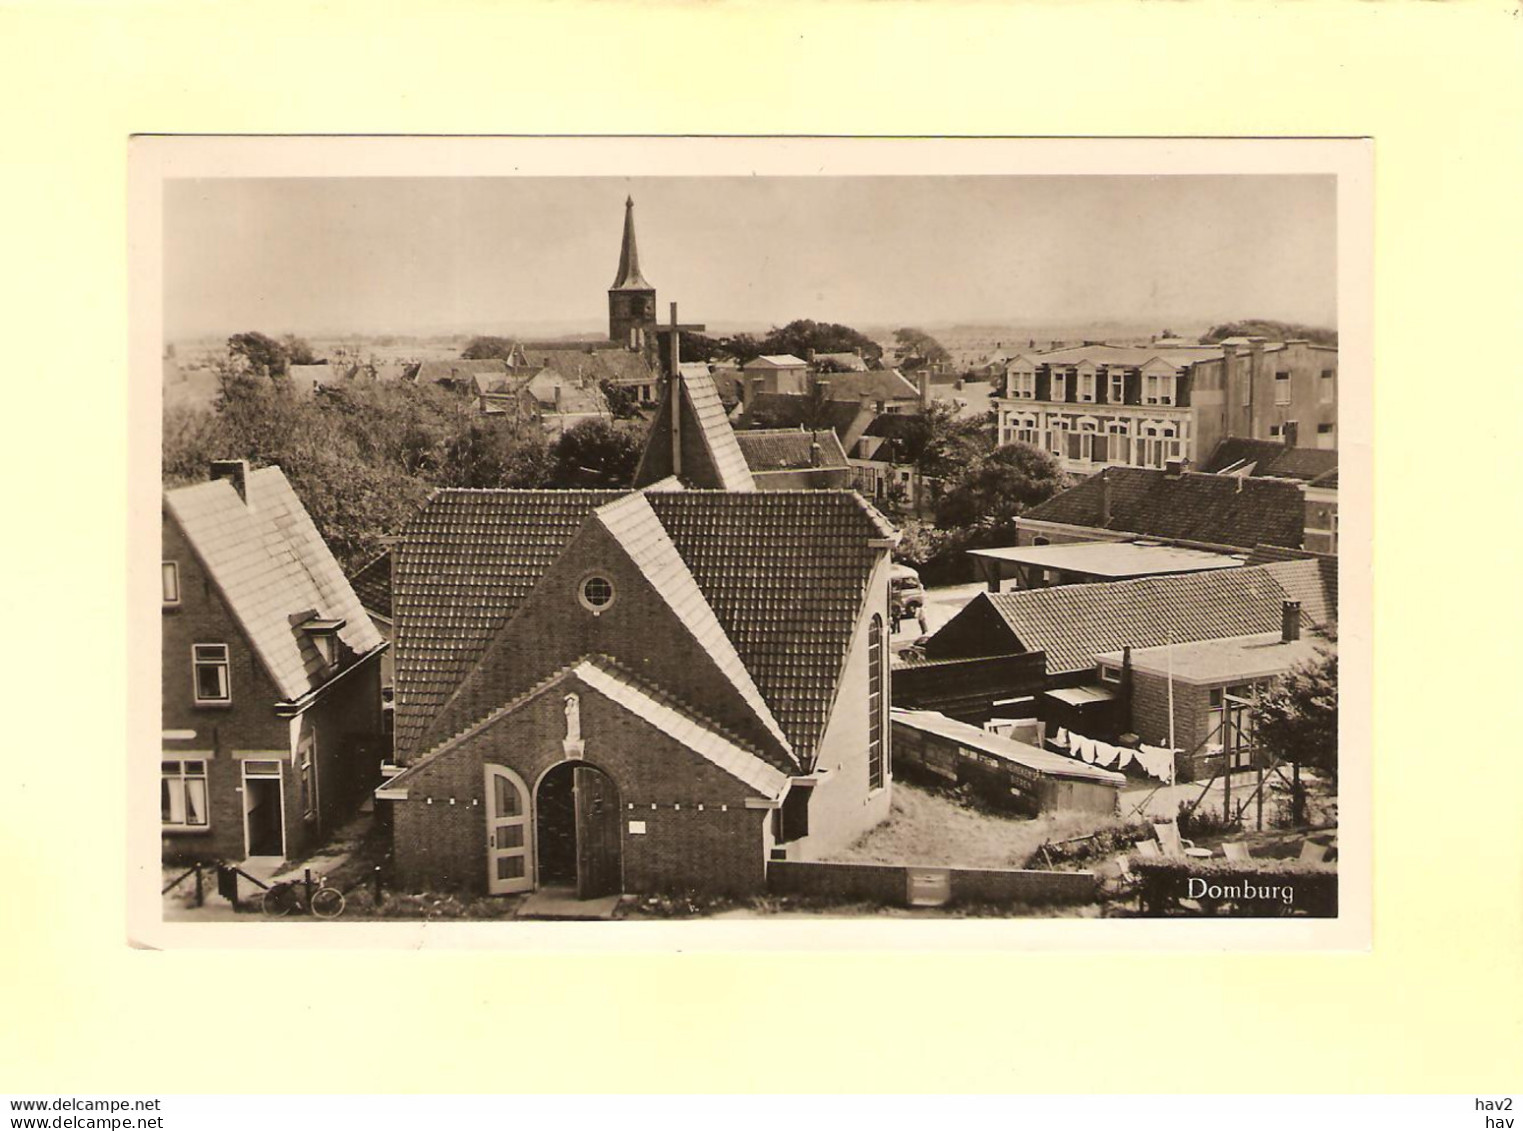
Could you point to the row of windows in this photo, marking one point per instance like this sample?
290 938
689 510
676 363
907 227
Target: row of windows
1157 388
1327 388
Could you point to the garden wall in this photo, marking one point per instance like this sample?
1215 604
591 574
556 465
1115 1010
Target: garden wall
890 884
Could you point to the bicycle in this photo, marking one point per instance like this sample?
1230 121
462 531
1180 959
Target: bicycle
281 899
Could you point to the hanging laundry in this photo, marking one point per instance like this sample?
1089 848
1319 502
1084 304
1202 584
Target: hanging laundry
1105 754
1061 738
1124 756
1158 761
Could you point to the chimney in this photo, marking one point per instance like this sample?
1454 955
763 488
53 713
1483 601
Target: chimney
1290 621
816 454
923 386
1105 497
1290 433
809 355
557 396
236 472
1174 468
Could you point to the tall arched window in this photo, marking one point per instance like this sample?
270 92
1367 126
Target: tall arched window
875 745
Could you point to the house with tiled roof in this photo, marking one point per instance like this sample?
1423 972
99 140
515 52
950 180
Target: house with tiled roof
791 458
1315 468
272 716
1211 512
629 692
1081 632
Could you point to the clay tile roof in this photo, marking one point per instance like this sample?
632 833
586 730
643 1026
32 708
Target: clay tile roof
269 562
790 449
459 370
463 566
1239 455
876 384
850 362
636 528
372 584
1075 623
784 572
1219 509
792 410
596 362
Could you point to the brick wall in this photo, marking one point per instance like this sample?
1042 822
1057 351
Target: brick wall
888 884
249 727
553 629
842 807
721 849
248 723
1150 722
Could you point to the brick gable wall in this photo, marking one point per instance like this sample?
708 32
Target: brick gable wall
553 629
440 830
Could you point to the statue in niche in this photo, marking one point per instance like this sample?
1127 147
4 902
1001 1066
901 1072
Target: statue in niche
573 719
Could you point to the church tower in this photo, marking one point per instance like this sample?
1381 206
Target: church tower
631 300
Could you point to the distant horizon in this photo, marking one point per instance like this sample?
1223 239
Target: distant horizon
420 257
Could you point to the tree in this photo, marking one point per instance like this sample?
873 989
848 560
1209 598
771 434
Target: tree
797 337
1296 720
919 347
261 353
598 454
995 489
487 348
950 445
621 402
298 351
497 453
1274 331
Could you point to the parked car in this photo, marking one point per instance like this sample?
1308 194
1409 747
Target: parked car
906 595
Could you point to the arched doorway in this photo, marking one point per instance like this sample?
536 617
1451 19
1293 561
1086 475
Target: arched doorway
576 827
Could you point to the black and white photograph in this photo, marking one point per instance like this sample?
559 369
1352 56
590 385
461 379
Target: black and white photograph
583 539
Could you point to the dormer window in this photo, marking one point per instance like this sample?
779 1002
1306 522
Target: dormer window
1087 386
1158 388
1023 385
1118 386
323 633
1059 385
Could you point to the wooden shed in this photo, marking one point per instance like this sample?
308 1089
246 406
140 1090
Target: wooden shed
1009 773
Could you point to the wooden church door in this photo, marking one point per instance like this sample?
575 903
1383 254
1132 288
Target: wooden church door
508 837
598 869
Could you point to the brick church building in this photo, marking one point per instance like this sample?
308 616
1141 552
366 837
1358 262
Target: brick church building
653 690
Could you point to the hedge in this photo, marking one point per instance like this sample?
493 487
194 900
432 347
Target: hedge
1227 887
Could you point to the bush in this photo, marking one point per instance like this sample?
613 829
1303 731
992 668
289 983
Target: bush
1165 882
1204 822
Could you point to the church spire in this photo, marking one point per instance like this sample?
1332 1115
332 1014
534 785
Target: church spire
630 278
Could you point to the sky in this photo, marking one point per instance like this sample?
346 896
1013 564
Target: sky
318 256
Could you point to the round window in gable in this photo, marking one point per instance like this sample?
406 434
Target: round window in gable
595 593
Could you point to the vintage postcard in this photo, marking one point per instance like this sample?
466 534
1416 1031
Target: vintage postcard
659 542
